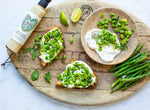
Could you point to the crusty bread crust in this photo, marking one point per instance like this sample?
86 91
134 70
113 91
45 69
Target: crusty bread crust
43 64
58 84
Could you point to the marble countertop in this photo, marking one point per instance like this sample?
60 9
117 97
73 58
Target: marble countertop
17 94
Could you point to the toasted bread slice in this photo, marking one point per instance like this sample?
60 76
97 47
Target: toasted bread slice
58 84
43 64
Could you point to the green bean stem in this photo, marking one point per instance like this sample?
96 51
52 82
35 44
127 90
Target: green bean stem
130 59
117 87
134 70
135 78
115 82
132 67
128 69
137 49
141 58
120 70
130 84
139 72
130 76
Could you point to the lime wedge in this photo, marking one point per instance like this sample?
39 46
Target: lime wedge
76 14
63 19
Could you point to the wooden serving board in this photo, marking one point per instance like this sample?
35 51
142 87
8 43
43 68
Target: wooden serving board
101 93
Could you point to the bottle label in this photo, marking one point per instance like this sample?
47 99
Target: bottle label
26 28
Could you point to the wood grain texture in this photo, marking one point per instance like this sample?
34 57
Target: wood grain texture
100 94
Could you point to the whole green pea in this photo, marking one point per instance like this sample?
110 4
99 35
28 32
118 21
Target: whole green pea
71 40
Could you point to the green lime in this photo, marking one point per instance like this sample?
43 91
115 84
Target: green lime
76 14
63 19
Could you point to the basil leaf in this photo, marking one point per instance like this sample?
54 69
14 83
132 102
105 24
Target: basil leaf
35 75
34 53
47 77
33 46
27 50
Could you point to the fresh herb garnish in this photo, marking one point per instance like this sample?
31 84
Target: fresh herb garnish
35 50
35 75
33 46
34 53
27 50
47 77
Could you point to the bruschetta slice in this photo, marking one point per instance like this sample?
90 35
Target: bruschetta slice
51 44
77 75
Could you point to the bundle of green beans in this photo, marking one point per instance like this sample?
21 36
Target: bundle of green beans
132 70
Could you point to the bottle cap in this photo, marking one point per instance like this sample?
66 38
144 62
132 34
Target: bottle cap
44 3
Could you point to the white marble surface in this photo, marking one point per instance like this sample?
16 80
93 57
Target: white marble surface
17 94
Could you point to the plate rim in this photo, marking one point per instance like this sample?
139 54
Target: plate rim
102 62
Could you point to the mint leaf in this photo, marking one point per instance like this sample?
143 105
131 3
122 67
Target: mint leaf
35 75
27 50
33 46
34 53
47 77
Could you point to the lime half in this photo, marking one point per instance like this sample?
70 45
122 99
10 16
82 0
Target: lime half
63 19
76 14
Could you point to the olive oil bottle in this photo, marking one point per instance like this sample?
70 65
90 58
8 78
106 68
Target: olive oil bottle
27 26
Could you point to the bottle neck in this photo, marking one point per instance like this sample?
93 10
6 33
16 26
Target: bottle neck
38 10
44 3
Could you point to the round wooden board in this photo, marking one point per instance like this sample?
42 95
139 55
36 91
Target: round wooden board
91 23
101 93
